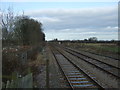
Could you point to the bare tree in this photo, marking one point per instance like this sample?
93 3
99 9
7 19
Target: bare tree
7 22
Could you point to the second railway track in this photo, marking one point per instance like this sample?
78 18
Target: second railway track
76 77
112 70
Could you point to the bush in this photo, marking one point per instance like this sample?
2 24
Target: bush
10 63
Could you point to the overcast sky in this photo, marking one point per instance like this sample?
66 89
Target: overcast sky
72 20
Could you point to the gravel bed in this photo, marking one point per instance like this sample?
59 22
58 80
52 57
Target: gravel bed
102 78
41 77
56 79
101 58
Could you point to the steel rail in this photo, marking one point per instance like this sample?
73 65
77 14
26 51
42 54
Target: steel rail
101 88
97 54
117 76
102 55
62 70
92 58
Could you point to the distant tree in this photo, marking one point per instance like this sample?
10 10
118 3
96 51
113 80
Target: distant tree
112 40
56 39
85 40
92 39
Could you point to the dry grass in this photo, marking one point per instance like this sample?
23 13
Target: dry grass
36 67
37 61
35 64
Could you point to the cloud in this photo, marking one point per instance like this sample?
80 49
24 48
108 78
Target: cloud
76 18
59 0
82 36
82 33
70 23
47 19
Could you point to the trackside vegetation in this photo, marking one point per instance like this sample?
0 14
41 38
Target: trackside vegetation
22 40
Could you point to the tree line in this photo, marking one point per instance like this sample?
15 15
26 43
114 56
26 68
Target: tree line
21 30
89 40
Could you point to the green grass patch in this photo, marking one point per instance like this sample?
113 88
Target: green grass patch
107 49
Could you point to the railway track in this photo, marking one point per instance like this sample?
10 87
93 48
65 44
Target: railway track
75 76
102 55
110 57
112 70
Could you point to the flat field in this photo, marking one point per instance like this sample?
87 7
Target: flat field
106 49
